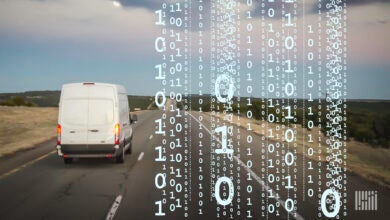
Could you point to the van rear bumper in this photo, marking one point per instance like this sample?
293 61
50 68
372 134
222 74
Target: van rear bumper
87 151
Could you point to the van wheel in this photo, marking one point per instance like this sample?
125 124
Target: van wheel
129 150
121 157
68 160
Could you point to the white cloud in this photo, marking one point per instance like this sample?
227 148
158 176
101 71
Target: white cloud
103 23
92 21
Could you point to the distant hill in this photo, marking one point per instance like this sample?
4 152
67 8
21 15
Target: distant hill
354 105
373 106
52 98
368 120
39 98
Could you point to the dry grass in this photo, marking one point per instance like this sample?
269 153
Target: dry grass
23 127
370 163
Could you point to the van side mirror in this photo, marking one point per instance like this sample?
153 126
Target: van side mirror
133 119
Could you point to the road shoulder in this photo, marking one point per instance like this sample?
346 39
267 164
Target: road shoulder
19 158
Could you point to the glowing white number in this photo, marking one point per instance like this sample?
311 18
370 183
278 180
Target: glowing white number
227 201
337 203
289 43
160 47
224 149
289 89
289 159
156 99
289 135
160 16
224 78
160 212
289 205
163 182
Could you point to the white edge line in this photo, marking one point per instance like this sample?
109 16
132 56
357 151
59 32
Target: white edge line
293 214
114 208
141 155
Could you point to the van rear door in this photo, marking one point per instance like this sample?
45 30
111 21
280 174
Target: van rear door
74 121
101 115
101 121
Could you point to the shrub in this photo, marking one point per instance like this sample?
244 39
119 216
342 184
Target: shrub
19 101
364 133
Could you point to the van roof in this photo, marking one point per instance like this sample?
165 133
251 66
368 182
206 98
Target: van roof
118 88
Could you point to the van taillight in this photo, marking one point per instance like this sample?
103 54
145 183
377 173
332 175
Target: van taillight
117 131
88 83
59 134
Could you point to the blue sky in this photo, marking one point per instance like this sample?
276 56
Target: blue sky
44 44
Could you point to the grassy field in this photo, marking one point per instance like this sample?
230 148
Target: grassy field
140 102
24 127
364 160
367 120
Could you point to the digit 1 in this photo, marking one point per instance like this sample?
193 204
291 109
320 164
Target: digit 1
224 149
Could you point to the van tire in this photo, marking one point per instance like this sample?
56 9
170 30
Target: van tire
121 157
129 150
68 160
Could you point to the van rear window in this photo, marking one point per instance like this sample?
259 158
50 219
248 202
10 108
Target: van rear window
75 111
101 112
81 112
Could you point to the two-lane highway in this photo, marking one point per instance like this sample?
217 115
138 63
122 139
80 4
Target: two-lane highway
86 189
48 189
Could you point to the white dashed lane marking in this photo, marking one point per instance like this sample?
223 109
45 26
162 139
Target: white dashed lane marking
293 214
141 155
114 208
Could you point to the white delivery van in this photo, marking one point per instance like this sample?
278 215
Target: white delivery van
94 121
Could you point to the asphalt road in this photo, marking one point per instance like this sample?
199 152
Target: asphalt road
36 184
